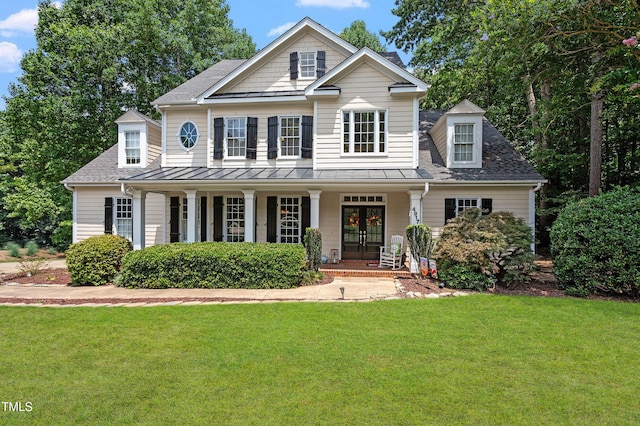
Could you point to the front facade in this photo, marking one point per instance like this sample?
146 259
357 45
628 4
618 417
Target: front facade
309 132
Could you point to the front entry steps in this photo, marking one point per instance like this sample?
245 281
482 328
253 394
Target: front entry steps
362 268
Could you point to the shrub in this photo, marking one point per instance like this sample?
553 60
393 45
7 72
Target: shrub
32 248
62 235
214 265
96 260
496 246
595 244
313 246
13 249
420 241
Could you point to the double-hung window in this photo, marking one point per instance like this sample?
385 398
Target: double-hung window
236 128
463 143
235 219
307 64
184 218
364 132
132 147
124 217
290 136
290 211
463 204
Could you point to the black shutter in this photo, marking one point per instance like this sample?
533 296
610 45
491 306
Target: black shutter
272 219
487 205
293 65
306 216
252 137
174 221
217 218
218 138
320 63
307 136
203 219
449 209
108 215
272 137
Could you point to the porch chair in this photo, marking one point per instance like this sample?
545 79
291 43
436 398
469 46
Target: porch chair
391 255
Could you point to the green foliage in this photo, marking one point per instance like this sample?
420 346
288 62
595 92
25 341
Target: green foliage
497 245
62 235
420 239
596 244
463 276
214 265
96 260
32 248
13 249
313 246
93 60
358 35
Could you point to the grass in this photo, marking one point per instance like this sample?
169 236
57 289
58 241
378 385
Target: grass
474 360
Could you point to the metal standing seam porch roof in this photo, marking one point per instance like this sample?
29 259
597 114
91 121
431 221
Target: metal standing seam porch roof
204 174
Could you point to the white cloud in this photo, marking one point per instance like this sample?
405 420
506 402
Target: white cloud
10 57
281 29
19 23
335 4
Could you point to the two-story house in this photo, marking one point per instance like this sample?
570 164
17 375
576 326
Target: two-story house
309 132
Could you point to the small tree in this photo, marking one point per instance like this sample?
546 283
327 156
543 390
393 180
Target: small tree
495 246
313 245
420 241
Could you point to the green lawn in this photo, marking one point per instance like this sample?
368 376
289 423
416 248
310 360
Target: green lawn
473 360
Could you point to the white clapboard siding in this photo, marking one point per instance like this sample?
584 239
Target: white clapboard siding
273 74
90 213
154 142
364 89
176 155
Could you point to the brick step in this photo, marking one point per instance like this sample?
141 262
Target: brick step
340 272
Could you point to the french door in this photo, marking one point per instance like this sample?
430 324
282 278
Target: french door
362 232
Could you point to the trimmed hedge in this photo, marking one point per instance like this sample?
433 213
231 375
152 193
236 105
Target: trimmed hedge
214 265
595 244
96 260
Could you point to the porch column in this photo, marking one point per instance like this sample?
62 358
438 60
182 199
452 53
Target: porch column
249 215
192 214
314 195
138 212
415 217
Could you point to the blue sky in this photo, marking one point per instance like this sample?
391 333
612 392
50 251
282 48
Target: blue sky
264 21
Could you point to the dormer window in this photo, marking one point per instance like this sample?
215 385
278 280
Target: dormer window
132 147
463 141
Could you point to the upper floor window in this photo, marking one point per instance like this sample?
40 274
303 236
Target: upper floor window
307 64
463 143
132 147
188 135
236 137
364 132
290 136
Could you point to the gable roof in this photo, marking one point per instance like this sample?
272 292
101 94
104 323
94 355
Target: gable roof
190 90
378 61
500 161
307 24
133 116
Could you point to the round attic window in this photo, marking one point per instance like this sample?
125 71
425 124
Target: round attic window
188 135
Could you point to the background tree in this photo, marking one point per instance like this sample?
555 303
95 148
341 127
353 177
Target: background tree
93 60
358 35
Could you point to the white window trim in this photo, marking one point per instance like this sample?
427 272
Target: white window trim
115 216
280 117
197 138
315 65
226 141
122 153
476 121
279 231
126 154
225 230
478 201
376 142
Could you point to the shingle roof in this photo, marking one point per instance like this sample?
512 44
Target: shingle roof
393 57
199 84
104 169
500 161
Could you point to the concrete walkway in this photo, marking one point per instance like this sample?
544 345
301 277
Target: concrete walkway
355 289
14 267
